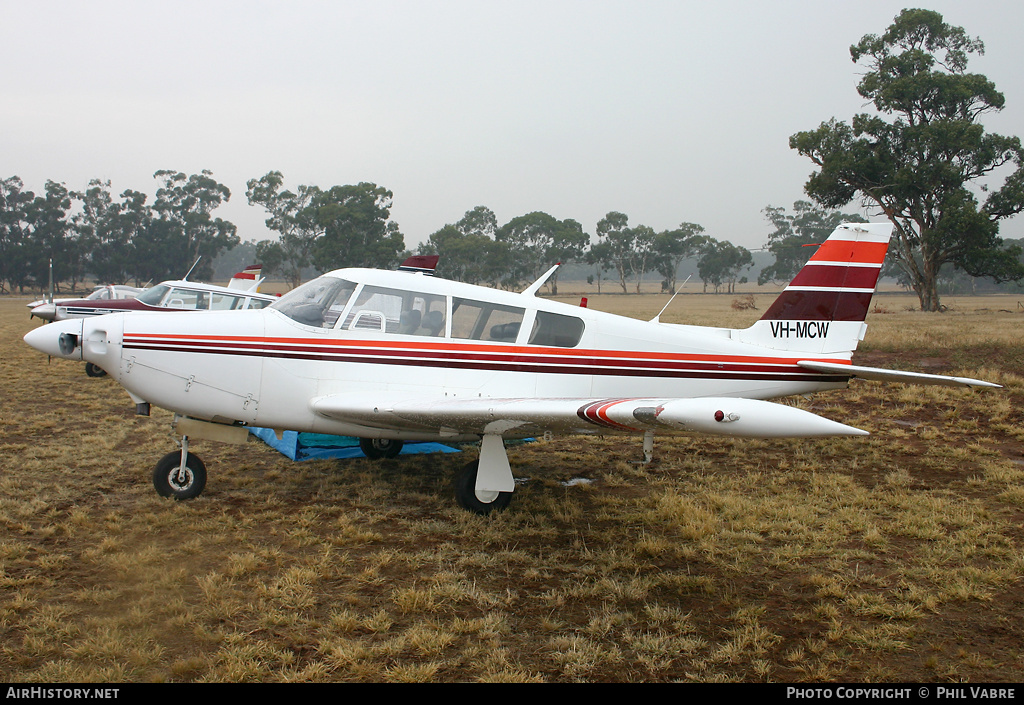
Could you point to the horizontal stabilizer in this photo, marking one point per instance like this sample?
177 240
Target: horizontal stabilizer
884 375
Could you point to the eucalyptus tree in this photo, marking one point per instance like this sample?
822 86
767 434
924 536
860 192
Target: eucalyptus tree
292 218
671 247
617 243
468 251
109 232
355 228
343 226
35 230
186 228
14 226
921 158
721 263
538 241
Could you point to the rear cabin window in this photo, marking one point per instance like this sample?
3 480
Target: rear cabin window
397 311
480 320
556 330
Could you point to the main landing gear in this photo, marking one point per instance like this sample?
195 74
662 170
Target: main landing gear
486 485
377 448
474 500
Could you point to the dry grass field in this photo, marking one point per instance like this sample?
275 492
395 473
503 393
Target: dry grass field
895 557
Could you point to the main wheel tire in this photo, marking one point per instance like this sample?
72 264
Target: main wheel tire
167 482
94 370
478 502
377 448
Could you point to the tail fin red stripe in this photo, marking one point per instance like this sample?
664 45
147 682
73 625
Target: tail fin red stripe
818 305
837 276
859 252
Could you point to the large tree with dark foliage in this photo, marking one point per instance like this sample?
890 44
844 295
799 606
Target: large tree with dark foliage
919 160
185 229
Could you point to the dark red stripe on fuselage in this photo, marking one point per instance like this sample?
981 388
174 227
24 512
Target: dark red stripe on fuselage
539 364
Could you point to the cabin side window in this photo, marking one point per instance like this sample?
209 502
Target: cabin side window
188 299
226 302
316 303
480 320
399 311
556 330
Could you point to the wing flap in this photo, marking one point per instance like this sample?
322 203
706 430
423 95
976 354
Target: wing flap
884 375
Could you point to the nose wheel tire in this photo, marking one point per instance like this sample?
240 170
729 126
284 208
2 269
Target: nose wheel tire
94 370
171 480
475 501
377 448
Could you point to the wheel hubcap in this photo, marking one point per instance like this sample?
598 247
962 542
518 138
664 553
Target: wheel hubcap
485 496
180 481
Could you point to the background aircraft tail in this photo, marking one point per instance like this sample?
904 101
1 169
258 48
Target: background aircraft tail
822 311
248 279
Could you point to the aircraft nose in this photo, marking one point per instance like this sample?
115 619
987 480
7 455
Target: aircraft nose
62 339
47 312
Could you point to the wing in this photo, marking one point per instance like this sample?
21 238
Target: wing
723 416
883 375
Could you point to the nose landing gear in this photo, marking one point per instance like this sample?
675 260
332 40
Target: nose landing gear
180 474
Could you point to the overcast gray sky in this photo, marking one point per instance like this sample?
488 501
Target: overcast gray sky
668 111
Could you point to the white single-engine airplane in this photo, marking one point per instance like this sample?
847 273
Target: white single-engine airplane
390 356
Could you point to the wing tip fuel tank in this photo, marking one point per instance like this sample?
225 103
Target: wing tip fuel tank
748 418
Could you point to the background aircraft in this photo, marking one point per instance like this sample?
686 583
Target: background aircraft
395 356
179 295
242 292
46 309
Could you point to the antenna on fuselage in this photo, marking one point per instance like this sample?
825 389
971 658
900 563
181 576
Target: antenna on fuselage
535 287
656 318
185 278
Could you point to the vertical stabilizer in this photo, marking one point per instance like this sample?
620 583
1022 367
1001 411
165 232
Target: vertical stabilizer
824 307
248 279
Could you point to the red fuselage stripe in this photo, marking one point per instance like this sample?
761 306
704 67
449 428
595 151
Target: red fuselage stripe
504 358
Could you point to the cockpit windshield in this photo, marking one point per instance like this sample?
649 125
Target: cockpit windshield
153 295
316 303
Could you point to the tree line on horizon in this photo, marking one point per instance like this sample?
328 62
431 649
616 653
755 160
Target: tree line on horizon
95 235
923 168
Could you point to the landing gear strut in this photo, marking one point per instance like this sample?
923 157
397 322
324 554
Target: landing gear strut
474 500
486 485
